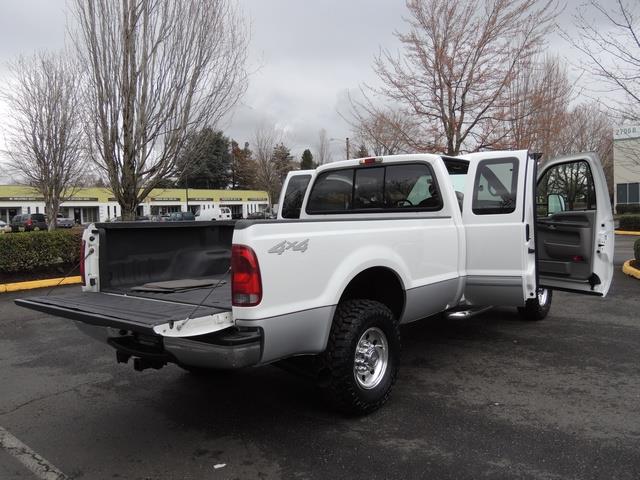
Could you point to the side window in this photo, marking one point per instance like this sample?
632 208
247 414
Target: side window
495 187
294 195
331 192
411 186
369 188
564 188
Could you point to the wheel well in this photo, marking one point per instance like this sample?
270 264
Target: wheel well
380 284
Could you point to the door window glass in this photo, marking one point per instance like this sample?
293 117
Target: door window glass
495 187
566 187
294 195
332 192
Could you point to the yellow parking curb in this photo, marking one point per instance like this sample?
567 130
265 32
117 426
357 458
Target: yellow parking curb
629 270
50 282
626 232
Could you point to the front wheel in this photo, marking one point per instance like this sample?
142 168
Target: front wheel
362 356
537 308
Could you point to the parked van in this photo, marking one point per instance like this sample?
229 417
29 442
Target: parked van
214 213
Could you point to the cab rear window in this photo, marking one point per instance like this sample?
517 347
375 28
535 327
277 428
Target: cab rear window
399 187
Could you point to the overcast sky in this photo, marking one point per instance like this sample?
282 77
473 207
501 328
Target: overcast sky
306 55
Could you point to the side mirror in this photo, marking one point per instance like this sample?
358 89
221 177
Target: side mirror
555 204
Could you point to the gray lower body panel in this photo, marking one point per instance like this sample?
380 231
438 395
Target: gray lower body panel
494 290
429 299
298 333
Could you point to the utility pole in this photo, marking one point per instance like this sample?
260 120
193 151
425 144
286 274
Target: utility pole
348 156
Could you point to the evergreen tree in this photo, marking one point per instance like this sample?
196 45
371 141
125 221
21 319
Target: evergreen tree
362 151
243 168
306 162
205 161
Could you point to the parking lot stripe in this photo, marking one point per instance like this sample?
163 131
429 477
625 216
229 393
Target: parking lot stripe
30 459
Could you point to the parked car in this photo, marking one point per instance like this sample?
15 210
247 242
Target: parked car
4 227
64 222
365 245
28 222
181 217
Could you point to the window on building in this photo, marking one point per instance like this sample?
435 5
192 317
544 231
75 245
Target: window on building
621 191
634 193
495 187
28 209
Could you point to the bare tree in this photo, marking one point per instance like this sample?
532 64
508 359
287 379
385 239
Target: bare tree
535 114
157 70
323 154
609 44
382 130
45 146
457 60
267 173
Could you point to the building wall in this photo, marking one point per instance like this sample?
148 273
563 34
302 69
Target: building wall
626 165
98 204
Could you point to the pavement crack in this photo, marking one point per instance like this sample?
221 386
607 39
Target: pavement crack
44 397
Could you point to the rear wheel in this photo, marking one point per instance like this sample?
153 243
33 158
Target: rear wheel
537 308
362 356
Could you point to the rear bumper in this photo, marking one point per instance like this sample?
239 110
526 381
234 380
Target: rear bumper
207 355
231 348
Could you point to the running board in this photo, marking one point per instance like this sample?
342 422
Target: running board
467 312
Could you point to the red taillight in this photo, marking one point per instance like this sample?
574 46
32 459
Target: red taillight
246 284
82 248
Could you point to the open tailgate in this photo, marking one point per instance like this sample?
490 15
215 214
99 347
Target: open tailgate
138 314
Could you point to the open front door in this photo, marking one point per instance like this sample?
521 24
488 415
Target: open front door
574 226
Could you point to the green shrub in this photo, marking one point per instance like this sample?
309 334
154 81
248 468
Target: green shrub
622 208
636 250
29 251
630 222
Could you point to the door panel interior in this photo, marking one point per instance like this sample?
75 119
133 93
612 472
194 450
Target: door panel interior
565 244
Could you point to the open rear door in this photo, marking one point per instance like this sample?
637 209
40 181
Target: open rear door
574 226
293 192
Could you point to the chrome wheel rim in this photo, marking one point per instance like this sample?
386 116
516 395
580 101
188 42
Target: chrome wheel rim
543 296
371 358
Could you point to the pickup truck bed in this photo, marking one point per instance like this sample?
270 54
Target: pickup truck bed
150 274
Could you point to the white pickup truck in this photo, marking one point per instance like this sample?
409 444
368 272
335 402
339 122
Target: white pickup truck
362 247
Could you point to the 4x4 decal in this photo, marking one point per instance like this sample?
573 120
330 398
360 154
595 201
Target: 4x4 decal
285 245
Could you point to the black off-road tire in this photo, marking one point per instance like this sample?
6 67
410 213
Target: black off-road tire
537 308
352 319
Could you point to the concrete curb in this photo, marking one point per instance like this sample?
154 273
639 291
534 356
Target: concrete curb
626 232
50 282
631 271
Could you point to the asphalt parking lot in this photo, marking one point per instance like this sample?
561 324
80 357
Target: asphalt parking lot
487 397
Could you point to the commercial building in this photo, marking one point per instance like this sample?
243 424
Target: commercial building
626 166
98 204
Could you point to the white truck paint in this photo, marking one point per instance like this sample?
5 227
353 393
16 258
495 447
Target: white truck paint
359 247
